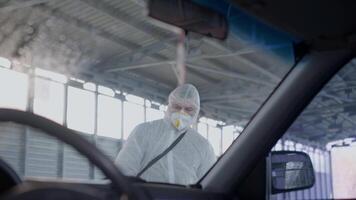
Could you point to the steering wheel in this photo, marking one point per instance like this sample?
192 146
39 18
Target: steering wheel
120 183
8 177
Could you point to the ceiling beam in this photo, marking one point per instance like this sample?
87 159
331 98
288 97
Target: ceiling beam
352 85
137 54
304 141
218 97
215 88
140 65
143 26
341 114
140 84
198 73
141 3
126 66
324 135
130 45
230 100
222 97
122 16
233 108
230 74
339 99
223 47
156 47
137 85
327 109
91 29
194 66
12 5
223 115
130 66
231 87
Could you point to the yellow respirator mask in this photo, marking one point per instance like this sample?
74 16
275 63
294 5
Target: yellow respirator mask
181 120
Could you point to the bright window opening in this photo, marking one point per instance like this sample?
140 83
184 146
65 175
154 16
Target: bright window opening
81 110
227 136
109 117
133 115
4 62
14 89
105 90
203 129
49 99
52 75
89 86
215 139
153 114
344 174
135 99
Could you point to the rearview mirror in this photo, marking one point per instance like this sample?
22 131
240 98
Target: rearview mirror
189 16
291 170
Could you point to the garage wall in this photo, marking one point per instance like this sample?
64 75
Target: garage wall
34 154
31 153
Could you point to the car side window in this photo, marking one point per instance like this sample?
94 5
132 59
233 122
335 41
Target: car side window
326 132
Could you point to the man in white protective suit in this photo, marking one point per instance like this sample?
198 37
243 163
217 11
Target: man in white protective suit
169 150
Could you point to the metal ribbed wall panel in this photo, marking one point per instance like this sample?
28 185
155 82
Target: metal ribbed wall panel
41 154
109 147
12 137
75 165
34 154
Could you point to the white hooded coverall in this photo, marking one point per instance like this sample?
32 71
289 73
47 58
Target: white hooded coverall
185 164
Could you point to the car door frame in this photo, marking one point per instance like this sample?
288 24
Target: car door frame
273 118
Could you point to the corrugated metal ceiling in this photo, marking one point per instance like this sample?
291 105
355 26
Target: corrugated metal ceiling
87 36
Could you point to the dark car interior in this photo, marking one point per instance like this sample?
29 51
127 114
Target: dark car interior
325 40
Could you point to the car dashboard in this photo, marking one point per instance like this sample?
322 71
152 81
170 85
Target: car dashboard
102 189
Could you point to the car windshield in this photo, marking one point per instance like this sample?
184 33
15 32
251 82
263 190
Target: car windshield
132 85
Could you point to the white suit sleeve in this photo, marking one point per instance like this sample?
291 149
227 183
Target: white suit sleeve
207 162
130 156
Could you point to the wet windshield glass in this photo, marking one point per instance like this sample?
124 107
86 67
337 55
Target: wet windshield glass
133 85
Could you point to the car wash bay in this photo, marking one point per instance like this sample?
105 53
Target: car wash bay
79 68
33 154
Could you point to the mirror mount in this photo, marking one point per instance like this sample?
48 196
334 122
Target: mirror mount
189 16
